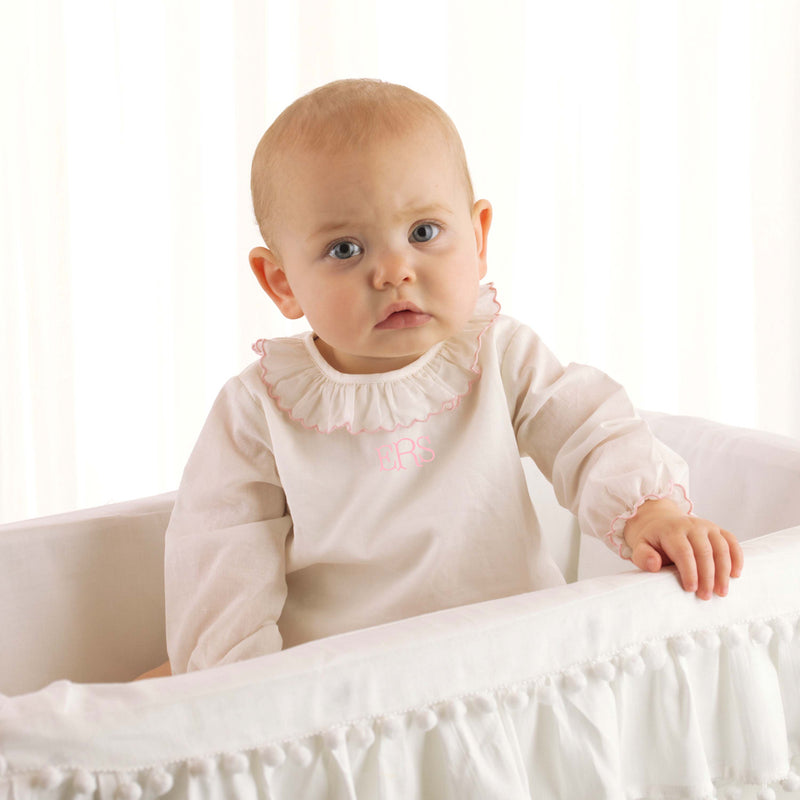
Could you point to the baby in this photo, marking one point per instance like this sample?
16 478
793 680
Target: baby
369 469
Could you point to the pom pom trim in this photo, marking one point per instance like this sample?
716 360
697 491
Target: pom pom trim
630 663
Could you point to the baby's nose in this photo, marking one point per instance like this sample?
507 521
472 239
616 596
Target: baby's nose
392 269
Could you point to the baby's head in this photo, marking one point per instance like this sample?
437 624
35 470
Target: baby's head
362 194
342 116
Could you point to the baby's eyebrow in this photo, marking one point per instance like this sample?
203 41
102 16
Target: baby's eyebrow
330 227
412 211
418 211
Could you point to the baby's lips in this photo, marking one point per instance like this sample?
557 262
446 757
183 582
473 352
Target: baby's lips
403 319
402 314
399 306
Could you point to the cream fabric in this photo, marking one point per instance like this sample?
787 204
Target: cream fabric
748 481
82 595
744 480
617 687
315 503
636 153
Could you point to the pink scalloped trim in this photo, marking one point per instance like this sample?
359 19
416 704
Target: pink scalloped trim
448 405
616 540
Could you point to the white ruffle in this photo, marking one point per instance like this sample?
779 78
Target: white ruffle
318 397
700 700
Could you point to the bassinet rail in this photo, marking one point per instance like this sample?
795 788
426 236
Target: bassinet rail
614 687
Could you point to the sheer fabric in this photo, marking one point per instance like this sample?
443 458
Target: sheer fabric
641 158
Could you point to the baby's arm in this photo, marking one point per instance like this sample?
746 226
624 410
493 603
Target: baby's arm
161 671
224 570
706 555
581 429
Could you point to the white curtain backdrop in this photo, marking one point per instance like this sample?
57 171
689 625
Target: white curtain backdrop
642 157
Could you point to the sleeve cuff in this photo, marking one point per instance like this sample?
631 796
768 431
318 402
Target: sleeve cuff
614 538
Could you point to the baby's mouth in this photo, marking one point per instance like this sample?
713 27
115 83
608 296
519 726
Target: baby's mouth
402 315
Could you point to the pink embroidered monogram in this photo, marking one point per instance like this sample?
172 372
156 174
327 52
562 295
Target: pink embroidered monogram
405 452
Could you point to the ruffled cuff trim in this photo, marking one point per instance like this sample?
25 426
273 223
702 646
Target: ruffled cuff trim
310 392
614 538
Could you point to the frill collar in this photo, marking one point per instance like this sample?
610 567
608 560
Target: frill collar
313 394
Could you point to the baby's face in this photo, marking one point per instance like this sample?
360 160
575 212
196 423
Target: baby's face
380 250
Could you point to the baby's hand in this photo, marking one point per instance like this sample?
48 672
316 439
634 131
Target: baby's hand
706 555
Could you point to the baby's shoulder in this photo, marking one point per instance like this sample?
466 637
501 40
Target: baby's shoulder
509 332
249 383
250 376
505 325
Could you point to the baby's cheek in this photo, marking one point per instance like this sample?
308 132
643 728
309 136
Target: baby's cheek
333 317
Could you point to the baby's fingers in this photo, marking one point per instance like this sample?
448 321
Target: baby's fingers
646 557
722 562
691 569
717 556
735 549
710 558
728 560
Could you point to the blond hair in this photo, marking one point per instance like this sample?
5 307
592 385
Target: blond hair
344 115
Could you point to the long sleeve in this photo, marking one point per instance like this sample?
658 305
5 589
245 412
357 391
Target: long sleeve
583 433
225 560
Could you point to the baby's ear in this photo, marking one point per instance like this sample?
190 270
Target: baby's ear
481 222
272 277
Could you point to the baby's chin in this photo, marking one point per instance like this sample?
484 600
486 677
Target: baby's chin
390 349
365 363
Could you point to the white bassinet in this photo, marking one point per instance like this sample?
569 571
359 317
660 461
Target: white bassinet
614 686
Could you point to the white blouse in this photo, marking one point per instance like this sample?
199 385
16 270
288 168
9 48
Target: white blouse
317 502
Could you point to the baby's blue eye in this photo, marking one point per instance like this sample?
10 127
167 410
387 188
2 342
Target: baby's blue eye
425 232
344 250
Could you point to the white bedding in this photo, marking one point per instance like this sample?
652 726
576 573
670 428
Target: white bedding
620 686
615 687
